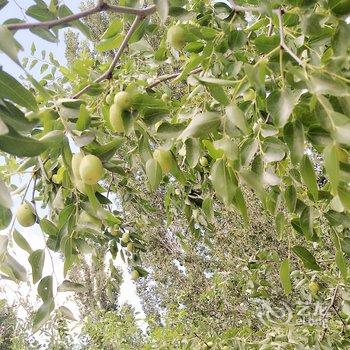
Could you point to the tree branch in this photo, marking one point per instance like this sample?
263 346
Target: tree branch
109 72
282 42
171 76
100 7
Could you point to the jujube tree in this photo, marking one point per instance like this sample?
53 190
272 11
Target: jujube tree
259 100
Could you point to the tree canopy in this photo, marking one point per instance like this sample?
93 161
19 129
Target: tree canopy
213 134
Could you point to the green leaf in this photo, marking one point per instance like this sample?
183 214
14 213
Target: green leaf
40 88
22 242
110 43
224 181
285 276
293 134
45 288
309 176
3 3
154 173
265 43
65 215
280 105
236 117
66 313
167 130
45 34
306 257
215 81
306 222
84 119
280 223
240 203
5 197
218 93
114 28
191 64
320 83
192 152
8 44
236 39
248 150
290 197
48 227
68 286
273 150
144 149
11 89
228 148
253 181
106 151
21 146
207 206
40 12
256 76
5 217
339 7
344 195
341 263
331 164
53 139
37 260
16 270
201 125
43 314
151 108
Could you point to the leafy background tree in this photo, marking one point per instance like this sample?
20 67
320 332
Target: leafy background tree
205 144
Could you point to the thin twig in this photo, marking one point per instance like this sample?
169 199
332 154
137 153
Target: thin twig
270 28
205 343
109 72
100 7
342 321
171 76
331 305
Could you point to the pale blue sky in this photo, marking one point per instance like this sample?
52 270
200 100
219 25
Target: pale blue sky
25 37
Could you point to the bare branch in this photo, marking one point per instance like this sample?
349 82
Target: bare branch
109 72
100 7
170 77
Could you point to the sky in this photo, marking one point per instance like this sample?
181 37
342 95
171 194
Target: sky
10 290
16 9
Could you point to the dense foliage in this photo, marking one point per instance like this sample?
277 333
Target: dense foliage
206 144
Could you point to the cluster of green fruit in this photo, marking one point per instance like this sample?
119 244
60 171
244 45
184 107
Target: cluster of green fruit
87 170
122 101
